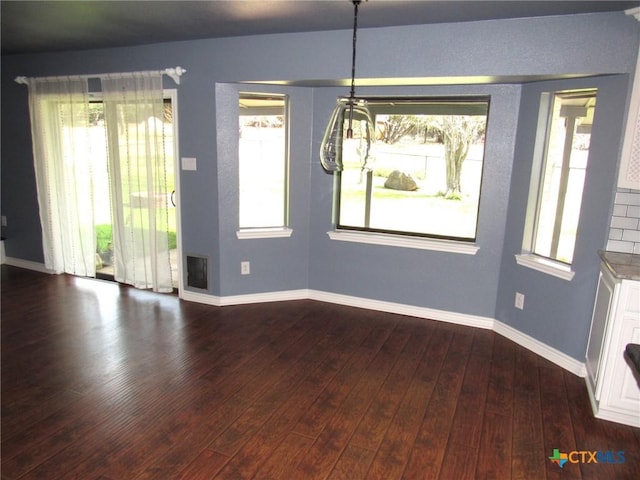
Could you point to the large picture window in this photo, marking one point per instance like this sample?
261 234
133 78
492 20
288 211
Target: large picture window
263 161
424 173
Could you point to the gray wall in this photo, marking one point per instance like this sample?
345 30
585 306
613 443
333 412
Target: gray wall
558 312
515 50
446 281
277 264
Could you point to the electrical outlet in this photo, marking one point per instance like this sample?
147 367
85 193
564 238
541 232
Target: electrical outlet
520 300
245 268
4 220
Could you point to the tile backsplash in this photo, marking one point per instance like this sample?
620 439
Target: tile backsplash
624 232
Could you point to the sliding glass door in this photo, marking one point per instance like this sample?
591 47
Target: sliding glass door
105 168
134 201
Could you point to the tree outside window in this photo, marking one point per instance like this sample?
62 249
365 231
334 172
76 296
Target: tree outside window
426 172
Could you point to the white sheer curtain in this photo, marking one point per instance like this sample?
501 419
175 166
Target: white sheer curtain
59 111
134 112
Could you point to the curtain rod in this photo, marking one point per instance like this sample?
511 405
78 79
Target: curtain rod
174 73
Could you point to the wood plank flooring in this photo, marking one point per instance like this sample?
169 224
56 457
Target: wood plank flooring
102 381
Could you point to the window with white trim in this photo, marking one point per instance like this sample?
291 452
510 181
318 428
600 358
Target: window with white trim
424 173
263 161
560 164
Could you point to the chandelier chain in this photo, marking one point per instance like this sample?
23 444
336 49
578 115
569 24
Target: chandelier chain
352 95
356 3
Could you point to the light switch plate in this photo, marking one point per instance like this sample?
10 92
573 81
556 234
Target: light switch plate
189 163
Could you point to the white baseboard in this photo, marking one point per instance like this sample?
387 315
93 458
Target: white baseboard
27 264
329 297
208 299
618 417
549 353
282 296
403 309
198 297
606 412
545 351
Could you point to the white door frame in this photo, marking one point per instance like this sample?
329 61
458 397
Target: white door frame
172 93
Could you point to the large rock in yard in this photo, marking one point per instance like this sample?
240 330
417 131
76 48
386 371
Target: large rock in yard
398 180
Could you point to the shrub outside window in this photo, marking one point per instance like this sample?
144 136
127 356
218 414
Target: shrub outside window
424 175
263 160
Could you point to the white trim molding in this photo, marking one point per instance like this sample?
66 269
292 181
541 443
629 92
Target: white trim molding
422 243
266 297
276 232
545 351
609 413
200 297
539 348
340 299
27 265
402 309
544 265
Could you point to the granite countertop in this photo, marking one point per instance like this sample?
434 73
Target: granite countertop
625 266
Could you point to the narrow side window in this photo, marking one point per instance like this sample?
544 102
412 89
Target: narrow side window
558 182
263 160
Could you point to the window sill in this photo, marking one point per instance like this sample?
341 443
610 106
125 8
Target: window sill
404 241
277 232
545 265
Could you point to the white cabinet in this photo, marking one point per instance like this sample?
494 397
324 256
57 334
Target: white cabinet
613 389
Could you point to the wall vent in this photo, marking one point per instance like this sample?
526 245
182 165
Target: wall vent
197 268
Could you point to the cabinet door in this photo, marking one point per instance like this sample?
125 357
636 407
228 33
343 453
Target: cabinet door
625 392
595 347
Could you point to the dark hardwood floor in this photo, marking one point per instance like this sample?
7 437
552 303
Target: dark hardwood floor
101 381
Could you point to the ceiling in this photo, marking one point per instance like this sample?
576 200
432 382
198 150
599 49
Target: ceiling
46 26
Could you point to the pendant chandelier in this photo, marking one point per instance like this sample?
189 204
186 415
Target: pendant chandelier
349 112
